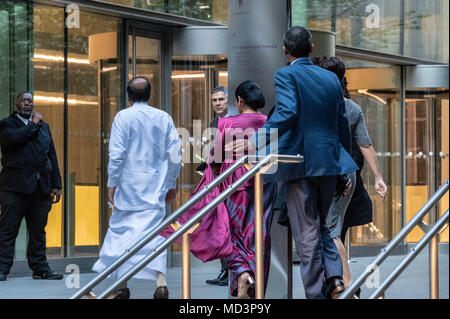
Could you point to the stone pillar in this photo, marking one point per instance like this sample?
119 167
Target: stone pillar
255 44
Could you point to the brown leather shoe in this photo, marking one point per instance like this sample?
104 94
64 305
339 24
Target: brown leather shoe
334 287
161 293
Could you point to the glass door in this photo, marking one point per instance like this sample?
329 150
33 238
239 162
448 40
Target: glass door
427 151
144 59
376 88
142 56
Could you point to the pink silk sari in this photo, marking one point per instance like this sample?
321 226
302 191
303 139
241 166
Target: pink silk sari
213 239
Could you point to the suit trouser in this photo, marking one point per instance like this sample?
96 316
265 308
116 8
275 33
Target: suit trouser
308 201
35 208
223 264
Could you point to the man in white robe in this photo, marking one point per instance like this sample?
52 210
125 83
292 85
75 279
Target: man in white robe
144 163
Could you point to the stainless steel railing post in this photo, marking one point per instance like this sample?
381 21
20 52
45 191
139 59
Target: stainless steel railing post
386 251
186 266
409 258
259 236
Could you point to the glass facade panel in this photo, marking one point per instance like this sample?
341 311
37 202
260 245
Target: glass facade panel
48 71
402 27
93 87
426 29
209 10
372 25
15 41
376 88
313 14
16 47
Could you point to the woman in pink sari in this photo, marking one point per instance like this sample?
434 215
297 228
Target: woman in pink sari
229 230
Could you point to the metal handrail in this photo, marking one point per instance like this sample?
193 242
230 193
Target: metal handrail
263 163
412 254
161 226
388 249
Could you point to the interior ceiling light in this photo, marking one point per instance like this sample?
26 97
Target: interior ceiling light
188 76
43 98
376 97
56 58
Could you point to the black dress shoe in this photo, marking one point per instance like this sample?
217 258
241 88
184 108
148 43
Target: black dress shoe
47 274
358 293
123 293
2 276
221 280
334 287
161 293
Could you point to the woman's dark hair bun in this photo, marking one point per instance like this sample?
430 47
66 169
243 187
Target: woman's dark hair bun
251 93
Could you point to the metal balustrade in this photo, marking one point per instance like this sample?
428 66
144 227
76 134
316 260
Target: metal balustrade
262 164
430 236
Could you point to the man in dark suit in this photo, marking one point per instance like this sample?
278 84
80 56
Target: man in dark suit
29 183
310 118
219 99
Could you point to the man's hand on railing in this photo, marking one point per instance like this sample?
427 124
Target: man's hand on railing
170 196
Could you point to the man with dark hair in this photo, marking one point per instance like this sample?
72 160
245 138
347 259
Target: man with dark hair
144 162
310 118
298 42
139 89
219 99
29 183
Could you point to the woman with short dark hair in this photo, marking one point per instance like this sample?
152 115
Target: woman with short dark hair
229 230
355 208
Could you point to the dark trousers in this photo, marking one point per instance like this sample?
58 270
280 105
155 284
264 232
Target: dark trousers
308 201
223 265
14 207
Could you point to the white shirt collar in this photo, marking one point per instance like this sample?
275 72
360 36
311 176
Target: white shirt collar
140 104
24 120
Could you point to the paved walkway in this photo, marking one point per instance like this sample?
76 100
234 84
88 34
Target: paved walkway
412 284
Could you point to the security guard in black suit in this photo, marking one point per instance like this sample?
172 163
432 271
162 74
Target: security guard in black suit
30 182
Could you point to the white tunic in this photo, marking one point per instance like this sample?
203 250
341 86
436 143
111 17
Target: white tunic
144 162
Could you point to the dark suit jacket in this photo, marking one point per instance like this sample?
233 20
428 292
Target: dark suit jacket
214 123
311 121
28 156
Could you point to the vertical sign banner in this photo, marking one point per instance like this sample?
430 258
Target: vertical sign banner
255 44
